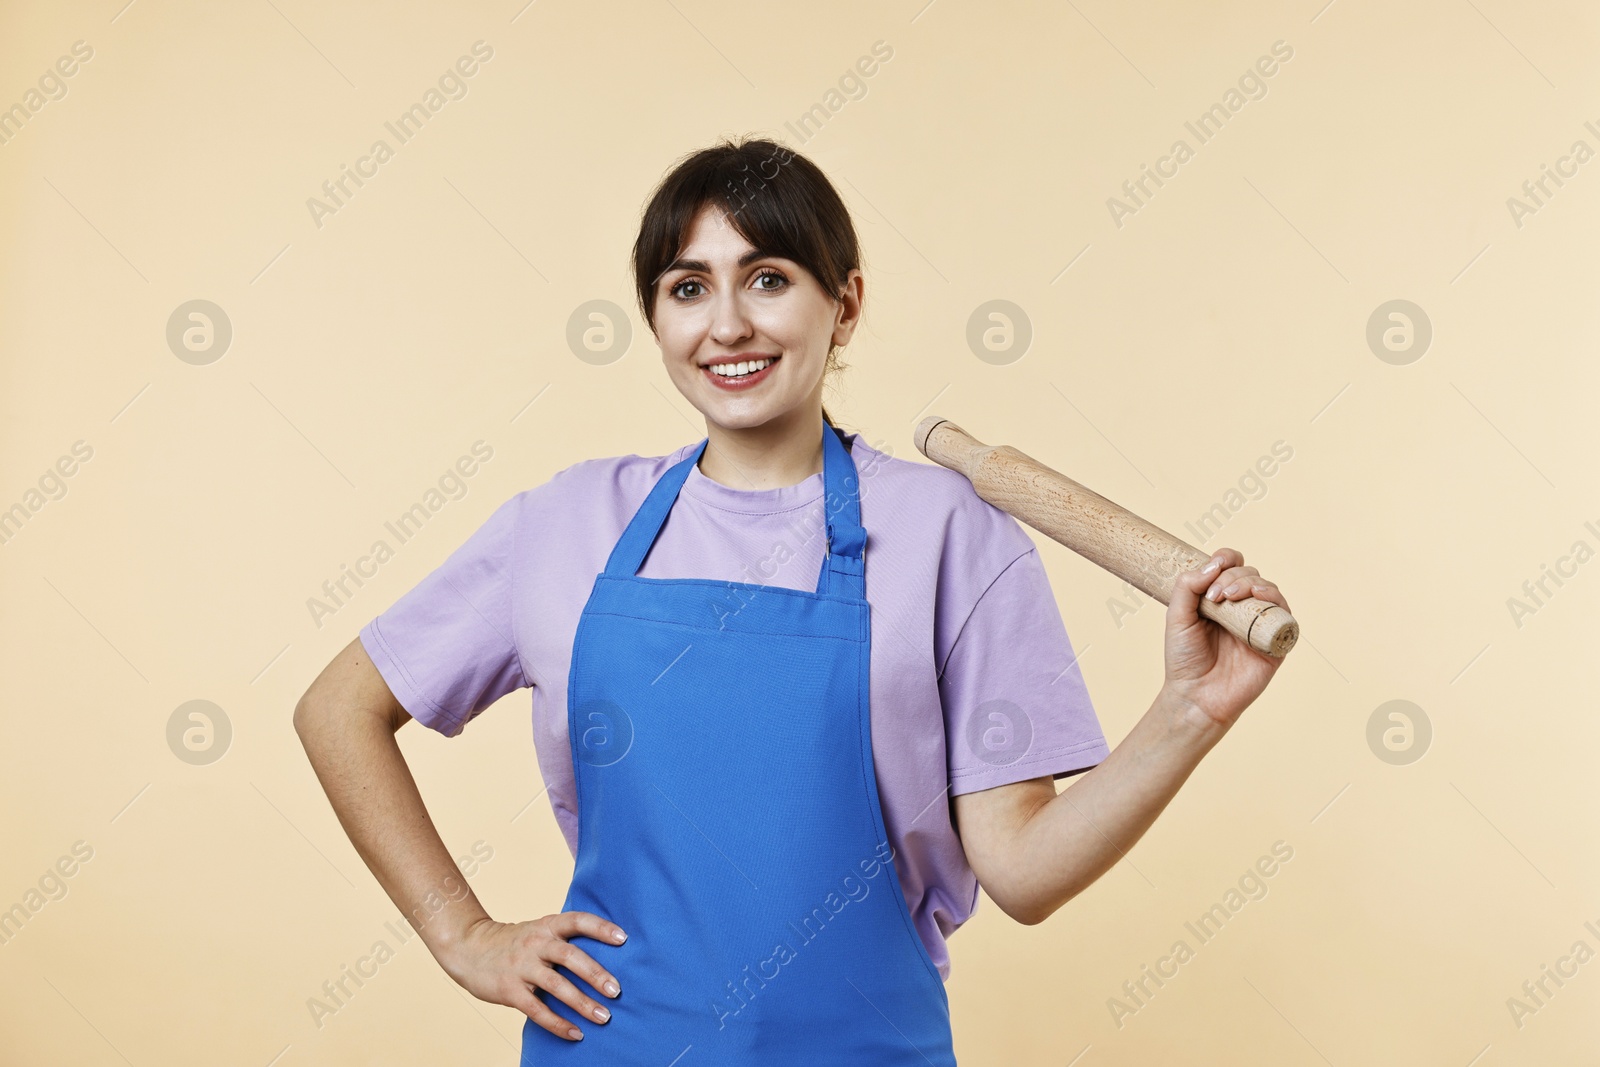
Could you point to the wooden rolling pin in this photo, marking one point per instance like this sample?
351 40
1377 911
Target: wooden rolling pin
1104 533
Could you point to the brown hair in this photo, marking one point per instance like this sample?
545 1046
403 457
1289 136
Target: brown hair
776 199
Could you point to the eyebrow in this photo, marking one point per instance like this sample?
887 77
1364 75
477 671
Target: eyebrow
702 267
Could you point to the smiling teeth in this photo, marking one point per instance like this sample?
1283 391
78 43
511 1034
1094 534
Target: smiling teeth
734 370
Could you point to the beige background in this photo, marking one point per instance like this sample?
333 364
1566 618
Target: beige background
1229 313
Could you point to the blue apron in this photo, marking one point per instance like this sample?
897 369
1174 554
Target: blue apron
728 819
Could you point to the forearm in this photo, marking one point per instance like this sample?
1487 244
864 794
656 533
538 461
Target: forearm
365 775
1076 836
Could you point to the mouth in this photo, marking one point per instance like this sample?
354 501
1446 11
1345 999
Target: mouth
740 375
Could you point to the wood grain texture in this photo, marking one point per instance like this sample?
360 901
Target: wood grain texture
1103 532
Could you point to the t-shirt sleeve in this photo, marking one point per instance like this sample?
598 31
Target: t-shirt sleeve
1015 703
447 647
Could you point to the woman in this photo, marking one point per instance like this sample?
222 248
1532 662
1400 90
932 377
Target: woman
746 729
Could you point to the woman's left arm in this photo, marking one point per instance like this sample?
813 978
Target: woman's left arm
1034 849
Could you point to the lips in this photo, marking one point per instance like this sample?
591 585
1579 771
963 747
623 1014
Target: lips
743 381
746 366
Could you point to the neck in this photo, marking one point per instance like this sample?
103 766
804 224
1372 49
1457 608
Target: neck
779 453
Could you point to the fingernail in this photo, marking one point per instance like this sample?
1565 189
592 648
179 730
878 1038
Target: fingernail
611 988
1213 593
601 1014
575 1035
1231 589
1209 567
619 937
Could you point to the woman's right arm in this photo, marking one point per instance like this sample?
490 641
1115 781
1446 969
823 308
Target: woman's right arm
347 722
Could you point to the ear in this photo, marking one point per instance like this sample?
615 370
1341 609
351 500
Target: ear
851 303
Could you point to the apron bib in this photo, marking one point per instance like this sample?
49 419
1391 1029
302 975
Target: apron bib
729 821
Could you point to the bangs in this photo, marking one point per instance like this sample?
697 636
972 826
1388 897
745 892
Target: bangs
775 199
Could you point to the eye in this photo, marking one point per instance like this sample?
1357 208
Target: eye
674 291
768 272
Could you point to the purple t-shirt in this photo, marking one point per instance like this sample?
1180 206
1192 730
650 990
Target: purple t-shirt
973 680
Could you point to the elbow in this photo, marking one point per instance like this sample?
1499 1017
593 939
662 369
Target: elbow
1032 909
1031 918
1032 915
1021 908
305 718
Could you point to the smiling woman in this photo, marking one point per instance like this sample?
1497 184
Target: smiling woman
744 286
718 751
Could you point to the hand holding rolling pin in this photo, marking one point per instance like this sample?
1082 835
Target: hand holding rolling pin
1227 628
1206 666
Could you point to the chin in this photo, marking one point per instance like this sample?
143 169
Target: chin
744 419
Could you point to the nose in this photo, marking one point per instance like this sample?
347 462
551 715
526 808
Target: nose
729 323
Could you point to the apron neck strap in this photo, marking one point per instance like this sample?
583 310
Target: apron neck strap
844 565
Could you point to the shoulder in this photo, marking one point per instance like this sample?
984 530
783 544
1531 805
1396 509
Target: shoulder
591 487
943 501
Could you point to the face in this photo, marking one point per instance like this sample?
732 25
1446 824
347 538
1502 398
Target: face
722 302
